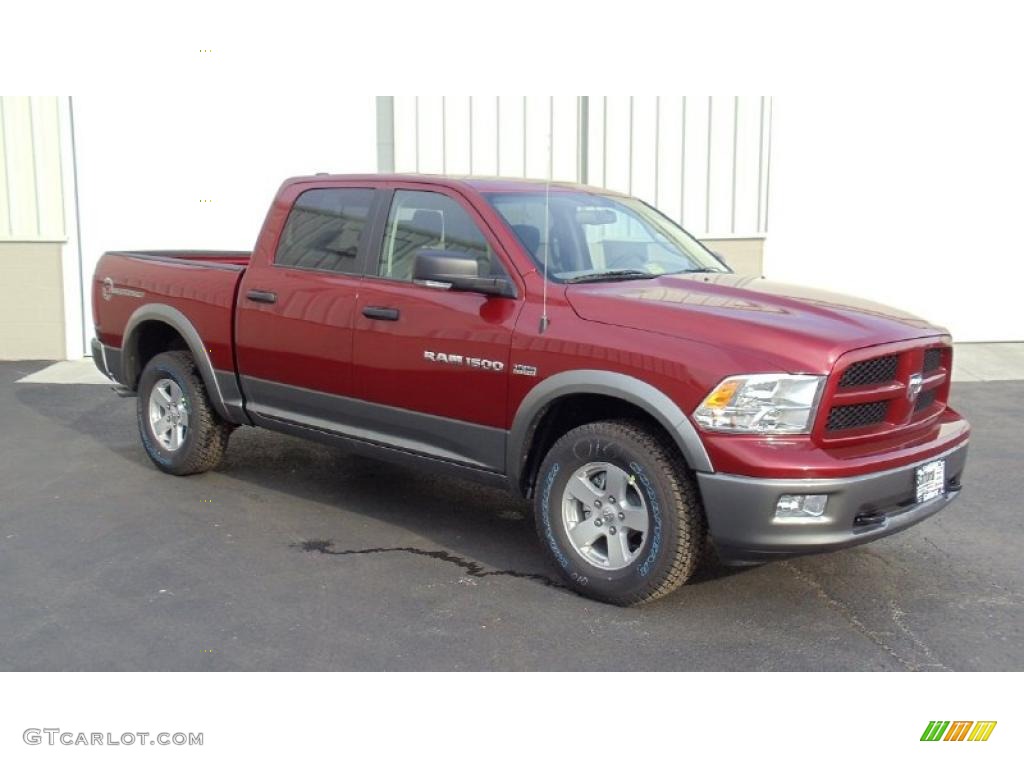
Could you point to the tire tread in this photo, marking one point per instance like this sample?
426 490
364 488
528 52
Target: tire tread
211 432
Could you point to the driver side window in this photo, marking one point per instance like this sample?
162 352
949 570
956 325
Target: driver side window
431 221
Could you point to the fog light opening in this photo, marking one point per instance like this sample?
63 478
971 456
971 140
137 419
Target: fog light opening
792 508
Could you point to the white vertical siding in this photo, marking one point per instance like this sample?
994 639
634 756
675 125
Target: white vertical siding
615 154
511 152
485 134
702 160
696 169
31 190
456 132
668 192
644 136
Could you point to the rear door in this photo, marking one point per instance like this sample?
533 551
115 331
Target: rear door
296 305
433 365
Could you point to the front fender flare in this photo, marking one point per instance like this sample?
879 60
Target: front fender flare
596 382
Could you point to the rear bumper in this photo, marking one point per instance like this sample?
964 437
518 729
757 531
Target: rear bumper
741 510
107 360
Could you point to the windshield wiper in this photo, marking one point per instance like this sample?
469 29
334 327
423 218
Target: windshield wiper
612 274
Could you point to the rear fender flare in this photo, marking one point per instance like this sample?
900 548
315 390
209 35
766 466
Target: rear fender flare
176 320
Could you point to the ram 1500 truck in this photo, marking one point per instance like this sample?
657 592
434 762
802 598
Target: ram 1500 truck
570 343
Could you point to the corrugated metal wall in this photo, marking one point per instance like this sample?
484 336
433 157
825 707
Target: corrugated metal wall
31 191
702 160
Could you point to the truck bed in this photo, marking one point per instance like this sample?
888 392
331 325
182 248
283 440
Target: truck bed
201 285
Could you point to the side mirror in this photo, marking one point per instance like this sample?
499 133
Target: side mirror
456 271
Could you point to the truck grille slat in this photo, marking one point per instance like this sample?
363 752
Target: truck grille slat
932 359
925 400
860 415
878 370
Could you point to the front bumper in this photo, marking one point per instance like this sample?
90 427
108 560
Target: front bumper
741 510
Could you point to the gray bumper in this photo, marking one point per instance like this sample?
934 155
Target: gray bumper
107 360
740 510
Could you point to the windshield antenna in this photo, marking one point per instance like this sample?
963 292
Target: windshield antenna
547 216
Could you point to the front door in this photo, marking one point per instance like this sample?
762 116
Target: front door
433 364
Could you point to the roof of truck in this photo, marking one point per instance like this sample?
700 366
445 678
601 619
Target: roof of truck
483 184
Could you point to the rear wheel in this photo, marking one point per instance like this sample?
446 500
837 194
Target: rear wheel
180 431
618 513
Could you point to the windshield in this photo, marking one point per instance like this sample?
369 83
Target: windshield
589 235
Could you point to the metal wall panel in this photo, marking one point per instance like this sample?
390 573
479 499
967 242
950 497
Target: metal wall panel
702 160
31 190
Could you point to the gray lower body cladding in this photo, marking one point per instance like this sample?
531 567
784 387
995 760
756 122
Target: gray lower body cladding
437 437
743 526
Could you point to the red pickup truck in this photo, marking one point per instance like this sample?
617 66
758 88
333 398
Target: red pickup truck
572 344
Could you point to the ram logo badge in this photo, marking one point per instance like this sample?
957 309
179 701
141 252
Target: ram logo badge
467 362
914 387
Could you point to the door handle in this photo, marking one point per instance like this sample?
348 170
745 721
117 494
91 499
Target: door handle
263 297
380 313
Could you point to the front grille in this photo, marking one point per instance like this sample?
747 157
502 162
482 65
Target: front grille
860 415
868 395
932 359
924 400
878 370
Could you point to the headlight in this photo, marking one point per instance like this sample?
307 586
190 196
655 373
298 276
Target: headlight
763 403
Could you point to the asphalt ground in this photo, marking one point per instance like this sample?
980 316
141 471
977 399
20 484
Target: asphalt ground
293 556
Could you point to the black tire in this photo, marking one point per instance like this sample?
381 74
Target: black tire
672 547
207 435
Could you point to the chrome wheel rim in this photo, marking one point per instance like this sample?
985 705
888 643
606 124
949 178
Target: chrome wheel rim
168 414
605 515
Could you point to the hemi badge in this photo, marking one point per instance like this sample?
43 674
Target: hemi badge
524 370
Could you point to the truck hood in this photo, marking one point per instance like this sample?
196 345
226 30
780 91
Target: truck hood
799 329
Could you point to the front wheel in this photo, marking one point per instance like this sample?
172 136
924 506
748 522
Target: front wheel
618 513
180 431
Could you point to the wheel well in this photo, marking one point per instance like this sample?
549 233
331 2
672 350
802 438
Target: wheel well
571 411
148 340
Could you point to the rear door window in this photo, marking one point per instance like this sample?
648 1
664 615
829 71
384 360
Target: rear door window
326 230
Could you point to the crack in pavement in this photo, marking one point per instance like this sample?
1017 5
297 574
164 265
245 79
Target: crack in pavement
965 568
897 614
854 621
472 568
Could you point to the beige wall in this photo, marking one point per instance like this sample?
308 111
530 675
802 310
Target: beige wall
32 229
744 254
31 302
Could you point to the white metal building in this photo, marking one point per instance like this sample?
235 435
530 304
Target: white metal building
702 160
776 185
